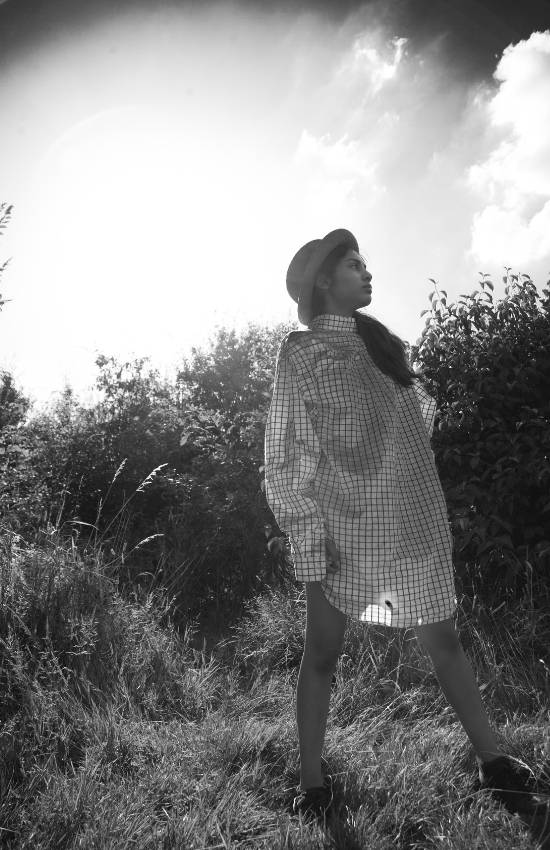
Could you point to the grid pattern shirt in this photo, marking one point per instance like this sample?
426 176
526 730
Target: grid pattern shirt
348 457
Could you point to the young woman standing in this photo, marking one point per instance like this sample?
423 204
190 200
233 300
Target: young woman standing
351 478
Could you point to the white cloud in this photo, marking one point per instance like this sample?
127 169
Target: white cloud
499 233
514 178
350 121
334 178
141 182
366 62
333 170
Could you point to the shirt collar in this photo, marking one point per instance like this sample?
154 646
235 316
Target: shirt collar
332 322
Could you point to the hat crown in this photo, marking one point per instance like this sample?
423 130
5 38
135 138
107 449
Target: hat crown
297 267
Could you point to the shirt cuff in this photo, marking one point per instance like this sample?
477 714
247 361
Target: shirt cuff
309 556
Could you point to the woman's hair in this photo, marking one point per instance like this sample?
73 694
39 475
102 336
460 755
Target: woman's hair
386 348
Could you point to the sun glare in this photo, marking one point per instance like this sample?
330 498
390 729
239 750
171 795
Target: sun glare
141 221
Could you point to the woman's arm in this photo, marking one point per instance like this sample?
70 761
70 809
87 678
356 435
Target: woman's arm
292 454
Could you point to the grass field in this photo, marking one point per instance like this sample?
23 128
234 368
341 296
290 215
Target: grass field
119 733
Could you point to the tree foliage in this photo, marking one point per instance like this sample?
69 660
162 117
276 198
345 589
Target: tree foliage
5 217
166 476
487 363
202 513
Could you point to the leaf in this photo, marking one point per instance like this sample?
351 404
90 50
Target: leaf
80 522
489 544
466 539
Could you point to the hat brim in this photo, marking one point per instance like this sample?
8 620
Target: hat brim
341 236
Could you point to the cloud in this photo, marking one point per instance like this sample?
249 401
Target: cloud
332 172
365 62
347 116
514 177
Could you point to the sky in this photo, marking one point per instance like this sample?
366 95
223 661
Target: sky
166 160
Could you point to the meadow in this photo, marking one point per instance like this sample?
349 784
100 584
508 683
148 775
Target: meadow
149 652
121 731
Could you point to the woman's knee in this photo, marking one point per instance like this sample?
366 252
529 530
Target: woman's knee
439 639
325 630
320 658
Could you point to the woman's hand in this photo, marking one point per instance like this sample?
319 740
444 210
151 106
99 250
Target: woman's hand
333 557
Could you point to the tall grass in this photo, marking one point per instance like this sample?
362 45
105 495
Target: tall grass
120 731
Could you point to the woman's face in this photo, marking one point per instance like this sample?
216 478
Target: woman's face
350 287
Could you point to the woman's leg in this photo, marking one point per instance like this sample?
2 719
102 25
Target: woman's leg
458 682
325 629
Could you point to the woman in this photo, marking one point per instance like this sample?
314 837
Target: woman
351 478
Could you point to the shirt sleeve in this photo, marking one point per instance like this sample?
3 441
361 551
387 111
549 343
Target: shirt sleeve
428 406
292 454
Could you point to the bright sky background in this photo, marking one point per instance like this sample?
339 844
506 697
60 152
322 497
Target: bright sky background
166 163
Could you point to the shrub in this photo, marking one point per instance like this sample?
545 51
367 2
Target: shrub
196 523
487 364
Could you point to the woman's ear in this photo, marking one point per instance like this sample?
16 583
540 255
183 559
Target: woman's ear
322 282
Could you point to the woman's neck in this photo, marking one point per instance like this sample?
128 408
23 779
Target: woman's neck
337 310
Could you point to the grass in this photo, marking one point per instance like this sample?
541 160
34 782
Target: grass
118 732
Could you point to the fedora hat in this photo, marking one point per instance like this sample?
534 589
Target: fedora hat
303 268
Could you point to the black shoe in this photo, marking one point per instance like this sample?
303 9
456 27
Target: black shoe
510 783
314 803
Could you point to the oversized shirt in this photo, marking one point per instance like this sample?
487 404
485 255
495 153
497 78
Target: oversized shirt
348 458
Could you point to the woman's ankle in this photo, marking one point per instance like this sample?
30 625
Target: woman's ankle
311 780
486 756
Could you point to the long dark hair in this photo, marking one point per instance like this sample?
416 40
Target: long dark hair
386 348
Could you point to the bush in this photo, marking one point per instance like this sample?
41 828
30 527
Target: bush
196 522
185 508
488 365
67 634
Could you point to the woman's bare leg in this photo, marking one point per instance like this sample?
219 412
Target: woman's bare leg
325 630
458 683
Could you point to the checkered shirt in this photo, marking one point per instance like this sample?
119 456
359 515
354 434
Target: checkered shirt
348 457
